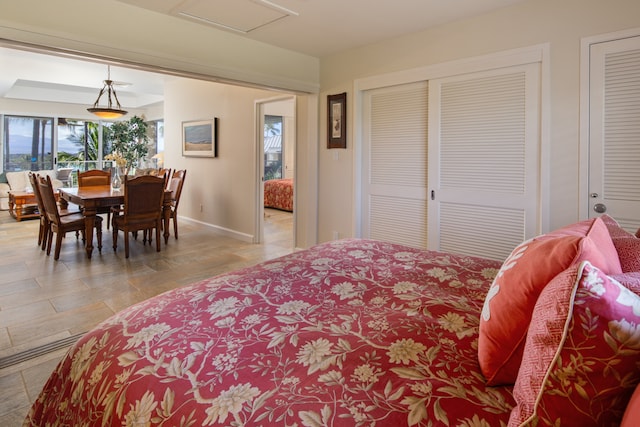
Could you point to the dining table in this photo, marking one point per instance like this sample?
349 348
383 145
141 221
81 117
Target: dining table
91 198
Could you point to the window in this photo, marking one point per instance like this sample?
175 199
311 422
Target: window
28 143
272 147
79 143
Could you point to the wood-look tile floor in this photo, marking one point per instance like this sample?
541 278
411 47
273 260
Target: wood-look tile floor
43 301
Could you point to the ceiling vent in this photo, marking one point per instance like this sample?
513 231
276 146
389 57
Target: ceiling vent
242 16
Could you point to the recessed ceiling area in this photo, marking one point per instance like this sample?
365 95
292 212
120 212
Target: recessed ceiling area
40 77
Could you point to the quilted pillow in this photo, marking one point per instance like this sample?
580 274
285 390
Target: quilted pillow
512 296
627 245
582 355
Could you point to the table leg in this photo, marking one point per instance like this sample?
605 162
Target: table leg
12 207
89 225
63 203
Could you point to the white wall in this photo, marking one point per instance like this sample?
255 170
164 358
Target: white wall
562 24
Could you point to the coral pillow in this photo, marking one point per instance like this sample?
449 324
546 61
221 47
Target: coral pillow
582 355
510 301
632 413
627 245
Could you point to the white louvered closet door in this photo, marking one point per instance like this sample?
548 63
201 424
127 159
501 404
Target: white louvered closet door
484 169
395 164
614 131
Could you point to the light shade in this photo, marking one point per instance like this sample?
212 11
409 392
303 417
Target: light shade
109 111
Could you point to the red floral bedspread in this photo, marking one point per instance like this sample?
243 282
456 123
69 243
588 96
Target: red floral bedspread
278 193
348 333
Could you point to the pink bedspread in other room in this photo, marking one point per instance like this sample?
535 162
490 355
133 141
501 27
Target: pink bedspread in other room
278 194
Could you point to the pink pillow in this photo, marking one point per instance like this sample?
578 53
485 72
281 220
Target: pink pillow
629 280
582 356
627 245
513 294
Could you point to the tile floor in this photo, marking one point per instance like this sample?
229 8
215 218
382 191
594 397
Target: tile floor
43 301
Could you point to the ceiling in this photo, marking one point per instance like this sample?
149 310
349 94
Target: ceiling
321 27
313 27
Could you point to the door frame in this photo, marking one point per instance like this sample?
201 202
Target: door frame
585 106
259 114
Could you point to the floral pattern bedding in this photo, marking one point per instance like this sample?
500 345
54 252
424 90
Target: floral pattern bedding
278 194
347 333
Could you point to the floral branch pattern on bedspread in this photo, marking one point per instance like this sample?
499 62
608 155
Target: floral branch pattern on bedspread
348 333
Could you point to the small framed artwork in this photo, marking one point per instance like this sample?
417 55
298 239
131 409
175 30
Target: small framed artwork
200 138
337 120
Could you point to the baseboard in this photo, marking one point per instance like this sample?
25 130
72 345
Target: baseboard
244 237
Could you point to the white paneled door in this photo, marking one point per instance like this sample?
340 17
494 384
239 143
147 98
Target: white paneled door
484 147
614 130
395 165
453 164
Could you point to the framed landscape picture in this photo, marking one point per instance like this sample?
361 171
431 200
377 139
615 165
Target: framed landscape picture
337 120
199 138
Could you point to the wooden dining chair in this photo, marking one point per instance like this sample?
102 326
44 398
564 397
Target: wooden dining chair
143 198
94 177
43 231
175 185
62 224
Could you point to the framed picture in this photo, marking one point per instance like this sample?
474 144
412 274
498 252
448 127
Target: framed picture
337 120
200 138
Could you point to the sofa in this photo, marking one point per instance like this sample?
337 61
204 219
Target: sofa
19 181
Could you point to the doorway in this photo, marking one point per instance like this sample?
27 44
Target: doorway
276 141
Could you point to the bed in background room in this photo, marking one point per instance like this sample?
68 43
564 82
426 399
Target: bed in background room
366 333
278 194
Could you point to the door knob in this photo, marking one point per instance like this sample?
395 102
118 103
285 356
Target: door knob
600 208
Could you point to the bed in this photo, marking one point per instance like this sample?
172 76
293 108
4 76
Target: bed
347 333
278 194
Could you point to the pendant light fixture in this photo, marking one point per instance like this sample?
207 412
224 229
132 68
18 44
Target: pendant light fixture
110 111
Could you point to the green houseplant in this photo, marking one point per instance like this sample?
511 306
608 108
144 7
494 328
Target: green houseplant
129 142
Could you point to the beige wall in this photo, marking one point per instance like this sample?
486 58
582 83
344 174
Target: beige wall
561 23
226 185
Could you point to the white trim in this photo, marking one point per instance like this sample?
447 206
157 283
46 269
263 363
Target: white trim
452 68
248 238
545 140
2 142
583 129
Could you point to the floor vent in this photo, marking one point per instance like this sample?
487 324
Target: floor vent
32 353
